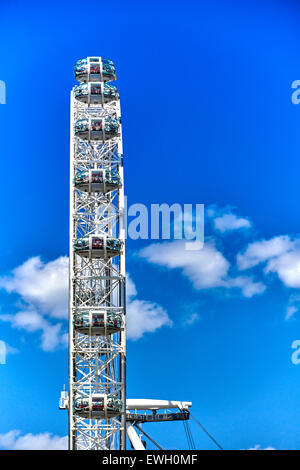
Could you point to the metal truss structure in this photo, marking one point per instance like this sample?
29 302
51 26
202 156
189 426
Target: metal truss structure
97 356
100 415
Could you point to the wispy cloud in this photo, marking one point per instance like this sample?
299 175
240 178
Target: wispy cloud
191 319
293 306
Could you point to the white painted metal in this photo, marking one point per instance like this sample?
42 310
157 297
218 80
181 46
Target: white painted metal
97 364
149 404
134 438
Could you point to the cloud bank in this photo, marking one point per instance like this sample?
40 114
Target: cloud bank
14 440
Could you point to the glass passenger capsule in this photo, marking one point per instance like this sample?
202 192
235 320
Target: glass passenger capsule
96 181
95 69
98 406
98 322
97 246
95 93
97 128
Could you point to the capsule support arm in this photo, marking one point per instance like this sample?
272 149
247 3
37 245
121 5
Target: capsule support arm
134 438
149 404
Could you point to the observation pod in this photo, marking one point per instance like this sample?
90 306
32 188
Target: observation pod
98 406
98 322
95 93
96 128
97 246
95 69
96 181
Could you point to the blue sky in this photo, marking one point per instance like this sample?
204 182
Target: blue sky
207 118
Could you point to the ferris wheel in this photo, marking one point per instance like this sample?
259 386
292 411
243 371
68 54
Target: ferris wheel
100 416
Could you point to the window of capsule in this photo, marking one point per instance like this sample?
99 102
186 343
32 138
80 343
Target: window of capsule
97 181
93 69
99 322
92 129
95 93
96 246
99 405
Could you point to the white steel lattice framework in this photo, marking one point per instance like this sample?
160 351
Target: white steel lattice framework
97 357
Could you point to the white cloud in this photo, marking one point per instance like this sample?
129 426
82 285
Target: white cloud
287 267
51 337
8 439
142 316
263 250
206 268
31 321
14 440
44 289
247 285
224 220
145 317
43 285
130 287
258 447
229 222
281 255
